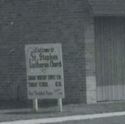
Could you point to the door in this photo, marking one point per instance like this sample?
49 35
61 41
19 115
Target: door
110 58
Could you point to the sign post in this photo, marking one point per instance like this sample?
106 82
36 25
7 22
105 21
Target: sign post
45 78
35 104
60 104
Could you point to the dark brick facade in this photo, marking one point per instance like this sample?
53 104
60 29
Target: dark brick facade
42 21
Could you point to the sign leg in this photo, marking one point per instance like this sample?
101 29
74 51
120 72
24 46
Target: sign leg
35 105
60 104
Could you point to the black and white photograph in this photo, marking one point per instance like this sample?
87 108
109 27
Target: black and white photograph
62 61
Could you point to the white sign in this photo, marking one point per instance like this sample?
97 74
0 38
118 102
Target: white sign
44 71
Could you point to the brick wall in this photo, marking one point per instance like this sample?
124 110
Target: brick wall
42 21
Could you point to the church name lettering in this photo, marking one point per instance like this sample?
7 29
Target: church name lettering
44 58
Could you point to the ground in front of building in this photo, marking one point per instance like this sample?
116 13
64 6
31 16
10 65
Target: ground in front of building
72 109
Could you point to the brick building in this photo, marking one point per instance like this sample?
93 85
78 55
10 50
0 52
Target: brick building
92 37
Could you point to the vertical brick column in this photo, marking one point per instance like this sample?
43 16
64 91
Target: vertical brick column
90 62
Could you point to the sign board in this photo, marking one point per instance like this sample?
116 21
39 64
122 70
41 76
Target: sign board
44 71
